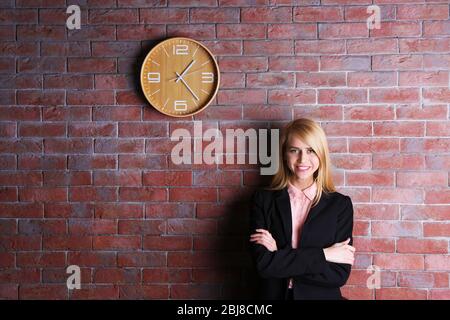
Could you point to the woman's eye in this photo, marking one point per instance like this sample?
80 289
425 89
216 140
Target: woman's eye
293 150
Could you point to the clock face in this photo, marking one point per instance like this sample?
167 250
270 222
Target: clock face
180 77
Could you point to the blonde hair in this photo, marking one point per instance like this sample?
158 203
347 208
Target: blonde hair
312 134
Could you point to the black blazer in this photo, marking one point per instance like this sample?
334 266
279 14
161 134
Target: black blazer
328 222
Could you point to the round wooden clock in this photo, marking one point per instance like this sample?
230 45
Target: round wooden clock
180 77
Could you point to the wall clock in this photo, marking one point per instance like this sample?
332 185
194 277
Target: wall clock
180 77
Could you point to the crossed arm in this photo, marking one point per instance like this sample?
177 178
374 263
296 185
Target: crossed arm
328 267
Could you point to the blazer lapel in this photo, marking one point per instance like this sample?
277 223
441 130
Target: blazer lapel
314 211
283 205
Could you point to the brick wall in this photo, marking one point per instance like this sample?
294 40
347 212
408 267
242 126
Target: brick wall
86 176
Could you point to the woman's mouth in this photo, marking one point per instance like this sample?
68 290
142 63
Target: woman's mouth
302 168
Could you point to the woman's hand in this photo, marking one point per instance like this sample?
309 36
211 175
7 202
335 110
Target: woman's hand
264 238
340 252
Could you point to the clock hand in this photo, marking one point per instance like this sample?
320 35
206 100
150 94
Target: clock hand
187 86
193 71
185 70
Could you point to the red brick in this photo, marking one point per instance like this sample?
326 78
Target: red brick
397 29
68 82
292 96
41 65
421 246
167 243
142 194
244 96
86 162
191 226
344 96
35 97
343 30
319 46
141 162
173 178
439 95
371 178
376 211
316 14
293 64
197 31
90 292
92 65
105 113
398 161
420 212
369 113
394 95
347 129
437 128
268 47
116 242
243 64
437 196
116 276
436 28
421 178
262 80
373 245
92 129
402 129
422 12
372 79
344 63
272 14
142 227
417 112
41 292
164 15
41 32
209 15
81 194
35 259
393 261
86 33
172 275
169 210
436 229
241 31
320 79
65 210
292 31
116 16
193 194
437 262
144 259
42 227
424 45
401 294
91 259
397 62
399 196
121 210
9 291
72 242
134 292
396 229
92 227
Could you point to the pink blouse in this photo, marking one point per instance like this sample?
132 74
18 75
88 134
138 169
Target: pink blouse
300 204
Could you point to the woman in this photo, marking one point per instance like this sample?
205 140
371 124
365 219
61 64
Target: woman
301 228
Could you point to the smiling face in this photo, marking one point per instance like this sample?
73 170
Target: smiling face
302 162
